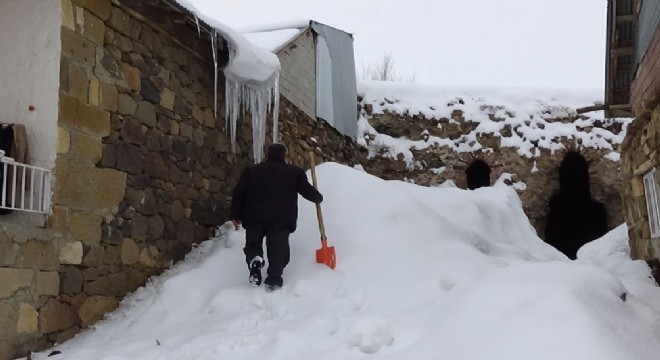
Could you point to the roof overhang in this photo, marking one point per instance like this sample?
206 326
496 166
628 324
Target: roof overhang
620 65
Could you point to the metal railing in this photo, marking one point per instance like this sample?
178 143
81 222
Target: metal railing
24 187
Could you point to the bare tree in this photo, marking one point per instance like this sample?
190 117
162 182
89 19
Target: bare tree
383 70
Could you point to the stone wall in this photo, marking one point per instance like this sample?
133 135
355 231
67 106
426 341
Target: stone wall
144 169
29 263
298 74
640 154
534 178
303 134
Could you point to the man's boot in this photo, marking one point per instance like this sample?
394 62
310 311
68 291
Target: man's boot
255 270
273 282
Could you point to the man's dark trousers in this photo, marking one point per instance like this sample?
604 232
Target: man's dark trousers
277 245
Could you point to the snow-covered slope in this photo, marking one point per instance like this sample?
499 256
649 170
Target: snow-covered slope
423 273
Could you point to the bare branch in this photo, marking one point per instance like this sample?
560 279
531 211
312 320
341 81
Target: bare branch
383 70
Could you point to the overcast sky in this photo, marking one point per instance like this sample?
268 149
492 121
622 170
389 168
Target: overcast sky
504 43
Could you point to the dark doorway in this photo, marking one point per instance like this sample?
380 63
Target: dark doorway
478 175
574 219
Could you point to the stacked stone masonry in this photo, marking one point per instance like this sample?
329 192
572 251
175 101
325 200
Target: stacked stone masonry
640 154
144 168
538 177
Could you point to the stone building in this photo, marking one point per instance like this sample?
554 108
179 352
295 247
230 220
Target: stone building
637 79
117 98
446 137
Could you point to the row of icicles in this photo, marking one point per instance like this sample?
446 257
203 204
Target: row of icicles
247 97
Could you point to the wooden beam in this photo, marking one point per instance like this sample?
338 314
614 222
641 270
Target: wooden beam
625 18
600 107
622 50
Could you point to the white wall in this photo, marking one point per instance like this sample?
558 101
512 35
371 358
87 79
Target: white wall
29 72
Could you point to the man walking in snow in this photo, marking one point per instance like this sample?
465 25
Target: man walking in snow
265 202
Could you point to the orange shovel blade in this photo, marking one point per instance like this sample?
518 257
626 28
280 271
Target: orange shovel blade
326 255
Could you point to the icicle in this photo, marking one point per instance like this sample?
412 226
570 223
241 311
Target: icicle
276 108
214 38
199 32
258 100
232 110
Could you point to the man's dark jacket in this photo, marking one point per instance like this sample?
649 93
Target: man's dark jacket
267 194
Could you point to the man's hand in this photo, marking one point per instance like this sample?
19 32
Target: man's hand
237 224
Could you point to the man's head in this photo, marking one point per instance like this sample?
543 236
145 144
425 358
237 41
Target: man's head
276 151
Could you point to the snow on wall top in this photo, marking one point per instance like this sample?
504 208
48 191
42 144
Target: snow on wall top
530 112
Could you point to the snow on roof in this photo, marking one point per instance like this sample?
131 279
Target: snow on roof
251 81
272 26
274 36
273 40
248 62
531 112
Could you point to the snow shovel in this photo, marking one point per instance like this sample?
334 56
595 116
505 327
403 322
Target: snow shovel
326 254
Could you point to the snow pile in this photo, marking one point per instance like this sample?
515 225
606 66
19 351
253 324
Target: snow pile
252 81
529 115
422 273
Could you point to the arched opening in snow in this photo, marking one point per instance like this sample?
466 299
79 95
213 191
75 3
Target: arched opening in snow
478 175
574 219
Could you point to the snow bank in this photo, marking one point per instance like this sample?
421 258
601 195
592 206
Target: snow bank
422 273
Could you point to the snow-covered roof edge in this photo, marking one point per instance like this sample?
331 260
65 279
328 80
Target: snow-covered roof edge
252 80
275 43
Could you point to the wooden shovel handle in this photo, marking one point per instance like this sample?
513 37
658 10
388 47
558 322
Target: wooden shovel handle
319 214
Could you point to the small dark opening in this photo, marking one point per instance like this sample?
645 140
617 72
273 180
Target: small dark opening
574 219
478 175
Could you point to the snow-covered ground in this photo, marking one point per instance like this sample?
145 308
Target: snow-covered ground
423 273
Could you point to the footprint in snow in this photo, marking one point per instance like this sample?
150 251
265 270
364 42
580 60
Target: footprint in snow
371 333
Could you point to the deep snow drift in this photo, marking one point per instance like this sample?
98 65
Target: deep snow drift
422 273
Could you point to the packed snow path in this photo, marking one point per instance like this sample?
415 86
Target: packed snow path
423 273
